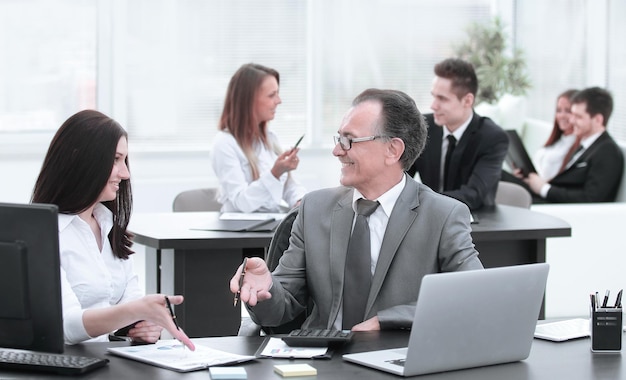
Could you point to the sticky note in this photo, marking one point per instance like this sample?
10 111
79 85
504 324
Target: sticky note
289 370
228 373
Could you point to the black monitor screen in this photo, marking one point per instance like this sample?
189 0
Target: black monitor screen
31 314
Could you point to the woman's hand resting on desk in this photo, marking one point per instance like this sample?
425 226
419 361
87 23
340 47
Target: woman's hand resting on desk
256 282
145 332
286 162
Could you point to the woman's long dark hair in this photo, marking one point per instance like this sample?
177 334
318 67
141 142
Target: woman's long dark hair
78 166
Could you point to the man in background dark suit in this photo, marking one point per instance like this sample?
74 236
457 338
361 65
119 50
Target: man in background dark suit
594 173
475 163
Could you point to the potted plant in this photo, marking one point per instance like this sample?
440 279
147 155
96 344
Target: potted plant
499 71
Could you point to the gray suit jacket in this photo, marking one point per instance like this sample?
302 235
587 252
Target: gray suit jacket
427 233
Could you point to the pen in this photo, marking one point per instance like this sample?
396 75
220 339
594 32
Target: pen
593 302
243 273
169 306
297 143
618 300
606 298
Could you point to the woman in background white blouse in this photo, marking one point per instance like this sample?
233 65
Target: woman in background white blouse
85 173
253 172
558 149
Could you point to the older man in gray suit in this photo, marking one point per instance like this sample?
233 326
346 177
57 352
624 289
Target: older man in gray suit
413 232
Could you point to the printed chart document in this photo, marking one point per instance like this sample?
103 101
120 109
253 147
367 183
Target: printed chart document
276 348
170 354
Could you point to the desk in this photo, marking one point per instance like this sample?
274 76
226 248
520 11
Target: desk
547 360
199 264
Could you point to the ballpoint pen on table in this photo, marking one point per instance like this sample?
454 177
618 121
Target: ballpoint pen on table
169 306
243 273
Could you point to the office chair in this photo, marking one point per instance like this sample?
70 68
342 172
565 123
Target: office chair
512 194
197 200
278 245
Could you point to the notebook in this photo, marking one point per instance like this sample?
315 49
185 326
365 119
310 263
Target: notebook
467 319
517 157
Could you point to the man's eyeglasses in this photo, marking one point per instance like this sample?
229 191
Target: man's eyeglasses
346 142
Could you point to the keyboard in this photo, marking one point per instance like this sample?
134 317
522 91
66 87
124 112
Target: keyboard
317 337
44 362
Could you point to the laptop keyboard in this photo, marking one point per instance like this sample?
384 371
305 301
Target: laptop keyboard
399 362
44 362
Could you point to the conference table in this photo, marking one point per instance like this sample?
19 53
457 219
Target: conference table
547 360
183 259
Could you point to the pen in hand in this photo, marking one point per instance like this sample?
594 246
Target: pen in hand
169 306
243 273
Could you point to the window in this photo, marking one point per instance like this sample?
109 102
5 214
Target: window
48 65
161 67
174 59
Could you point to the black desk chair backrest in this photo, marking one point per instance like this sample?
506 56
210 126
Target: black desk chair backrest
278 245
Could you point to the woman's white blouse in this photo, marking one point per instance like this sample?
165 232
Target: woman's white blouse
238 192
548 159
91 279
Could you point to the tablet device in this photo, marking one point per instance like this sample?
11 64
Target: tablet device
517 157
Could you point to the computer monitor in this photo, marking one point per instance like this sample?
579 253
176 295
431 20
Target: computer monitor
31 315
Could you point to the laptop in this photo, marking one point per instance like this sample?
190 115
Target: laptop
467 319
517 157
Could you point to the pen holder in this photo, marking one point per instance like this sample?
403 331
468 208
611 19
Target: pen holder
606 329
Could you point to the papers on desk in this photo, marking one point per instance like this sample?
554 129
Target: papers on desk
243 222
170 354
276 348
265 225
251 216
563 330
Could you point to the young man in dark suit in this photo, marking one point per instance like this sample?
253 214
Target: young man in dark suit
594 172
472 169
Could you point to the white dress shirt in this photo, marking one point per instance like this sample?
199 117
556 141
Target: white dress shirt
458 133
238 192
91 279
548 159
377 222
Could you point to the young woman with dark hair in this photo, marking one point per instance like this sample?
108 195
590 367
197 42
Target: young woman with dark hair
85 173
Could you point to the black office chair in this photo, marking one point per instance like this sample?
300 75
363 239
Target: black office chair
278 245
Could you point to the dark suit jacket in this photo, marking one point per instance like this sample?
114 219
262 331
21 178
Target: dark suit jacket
427 233
475 165
594 177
